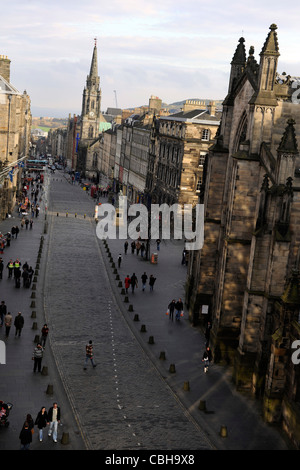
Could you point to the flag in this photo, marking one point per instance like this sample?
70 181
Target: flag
11 174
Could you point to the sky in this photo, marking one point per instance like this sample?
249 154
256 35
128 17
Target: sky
172 49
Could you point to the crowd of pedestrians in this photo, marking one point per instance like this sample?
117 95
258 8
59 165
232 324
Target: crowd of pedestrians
43 419
22 274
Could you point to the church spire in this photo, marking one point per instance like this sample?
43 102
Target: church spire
94 63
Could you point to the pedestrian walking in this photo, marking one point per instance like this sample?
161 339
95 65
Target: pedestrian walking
44 336
144 278
41 421
158 244
25 437
138 247
30 273
119 260
30 422
19 323
26 223
7 322
17 275
10 267
207 358
3 312
132 247
133 282
37 357
125 247
179 309
17 231
1 268
31 224
54 420
13 232
171 308
152 280
127 282
25 277
89 354
22 222
143 248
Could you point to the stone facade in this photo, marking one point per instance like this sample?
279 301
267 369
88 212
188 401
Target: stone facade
180 143
15 128
251 233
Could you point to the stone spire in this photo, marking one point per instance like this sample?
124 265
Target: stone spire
239 57
288 144
94 63
238 64
265 94
93 78
270 46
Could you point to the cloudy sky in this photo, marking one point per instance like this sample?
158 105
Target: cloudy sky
173 49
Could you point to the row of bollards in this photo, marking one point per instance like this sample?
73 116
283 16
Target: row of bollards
172 369
49 391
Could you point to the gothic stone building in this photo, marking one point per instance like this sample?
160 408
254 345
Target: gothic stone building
83 131
247 272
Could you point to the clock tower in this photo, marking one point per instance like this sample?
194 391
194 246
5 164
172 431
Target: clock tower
91 102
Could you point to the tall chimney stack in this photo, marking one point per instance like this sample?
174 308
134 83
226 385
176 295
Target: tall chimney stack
5 68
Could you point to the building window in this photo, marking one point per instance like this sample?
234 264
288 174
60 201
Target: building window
91 132
95 160
202 158
198 186
205 134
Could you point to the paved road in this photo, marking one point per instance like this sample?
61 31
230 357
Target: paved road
123 403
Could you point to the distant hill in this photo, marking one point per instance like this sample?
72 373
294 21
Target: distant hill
48 123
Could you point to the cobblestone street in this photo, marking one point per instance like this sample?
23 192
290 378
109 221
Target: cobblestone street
123 403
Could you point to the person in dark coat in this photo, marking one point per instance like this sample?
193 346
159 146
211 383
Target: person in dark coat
171 308
41 421
144 278
1 268
19 323
3 311
152 280
25 437
134 282
178 308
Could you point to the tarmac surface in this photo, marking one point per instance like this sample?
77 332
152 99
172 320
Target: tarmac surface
147 389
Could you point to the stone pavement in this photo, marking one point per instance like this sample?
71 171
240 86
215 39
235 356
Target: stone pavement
132 400
27 391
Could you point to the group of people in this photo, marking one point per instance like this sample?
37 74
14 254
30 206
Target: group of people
139 246
6 319
14 271
175 307
44 418
132 281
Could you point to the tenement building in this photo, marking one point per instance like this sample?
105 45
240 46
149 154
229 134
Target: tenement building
15 127
247 274
179 145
